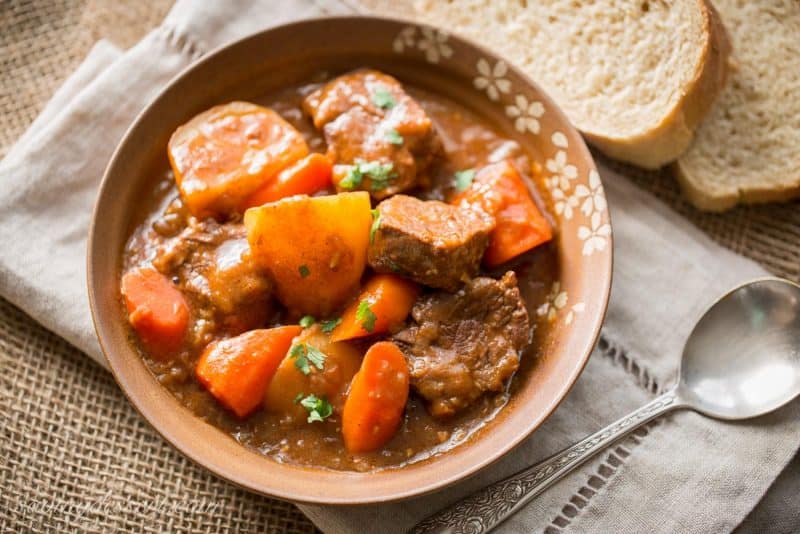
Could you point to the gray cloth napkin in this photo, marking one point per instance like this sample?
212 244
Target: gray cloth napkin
685 473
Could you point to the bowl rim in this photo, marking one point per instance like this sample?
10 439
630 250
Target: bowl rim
589 339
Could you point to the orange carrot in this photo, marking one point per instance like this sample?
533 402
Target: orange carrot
500 191
157 310
384 302
378 393
238 370
307 176
227 153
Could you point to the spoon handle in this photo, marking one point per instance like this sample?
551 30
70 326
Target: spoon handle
488 507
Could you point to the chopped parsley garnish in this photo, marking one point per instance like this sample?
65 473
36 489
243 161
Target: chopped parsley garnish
365 316
330 326
383 98
298 397
394 137
298 352
307 320
353 178
304 355
376 223
380 174
318 408
464 179
304 270
315 356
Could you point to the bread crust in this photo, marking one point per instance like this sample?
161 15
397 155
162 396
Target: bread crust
700 188
704 200
672 136
663 142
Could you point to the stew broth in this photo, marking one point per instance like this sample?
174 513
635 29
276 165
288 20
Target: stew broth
469 141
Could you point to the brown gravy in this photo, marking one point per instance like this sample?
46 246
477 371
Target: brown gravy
469 141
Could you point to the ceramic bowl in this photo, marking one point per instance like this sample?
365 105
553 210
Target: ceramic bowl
426 57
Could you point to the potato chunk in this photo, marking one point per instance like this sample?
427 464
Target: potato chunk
225 154
314 248
341 362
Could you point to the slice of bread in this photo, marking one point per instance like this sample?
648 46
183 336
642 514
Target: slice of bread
635 76
748 149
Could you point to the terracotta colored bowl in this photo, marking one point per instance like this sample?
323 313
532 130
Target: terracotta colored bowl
425 57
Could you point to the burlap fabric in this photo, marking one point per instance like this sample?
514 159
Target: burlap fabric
68 435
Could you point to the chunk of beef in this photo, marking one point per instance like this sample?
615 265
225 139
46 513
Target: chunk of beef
431 242
211 264
464 344
370 123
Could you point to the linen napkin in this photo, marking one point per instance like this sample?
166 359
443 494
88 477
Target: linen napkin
683 474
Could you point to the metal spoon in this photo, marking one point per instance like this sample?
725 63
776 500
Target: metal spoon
741 360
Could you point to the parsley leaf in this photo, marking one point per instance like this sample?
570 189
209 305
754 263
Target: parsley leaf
381 174
298 397
330 326
318 408
307 320
304 270
376 223
303 354
394 137
382 98
315 356
298 352
365 315
353 177
464 179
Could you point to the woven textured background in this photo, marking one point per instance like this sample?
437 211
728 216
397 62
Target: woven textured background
73 453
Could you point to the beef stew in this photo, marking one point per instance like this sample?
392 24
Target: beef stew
296 293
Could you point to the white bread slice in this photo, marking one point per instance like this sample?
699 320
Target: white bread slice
635 76
748 149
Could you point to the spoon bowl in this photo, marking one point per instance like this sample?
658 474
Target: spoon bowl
743 357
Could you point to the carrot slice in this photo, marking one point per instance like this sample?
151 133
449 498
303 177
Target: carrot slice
378 394
238 370
307 176
384 302
500 191
157 310
225 154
